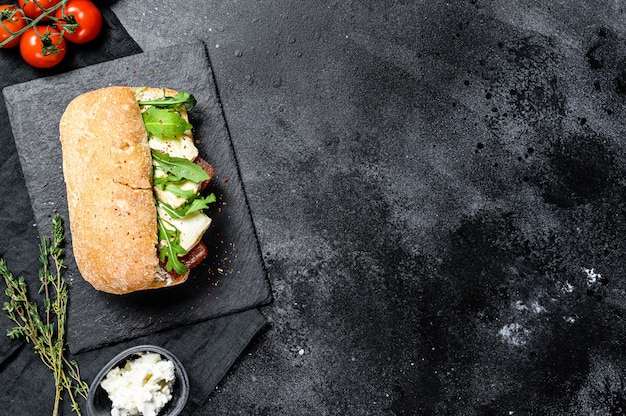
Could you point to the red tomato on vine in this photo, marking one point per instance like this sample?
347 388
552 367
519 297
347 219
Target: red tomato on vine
80 19
42 46
35 8
13 21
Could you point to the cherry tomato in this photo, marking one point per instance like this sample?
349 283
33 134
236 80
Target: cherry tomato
42 46
13 20
82 13
35 8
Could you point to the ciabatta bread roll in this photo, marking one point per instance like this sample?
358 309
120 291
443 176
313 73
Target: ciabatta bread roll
109 173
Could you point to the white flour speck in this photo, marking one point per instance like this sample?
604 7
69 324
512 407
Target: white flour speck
567 287
592 276
514 334
536 307
519 305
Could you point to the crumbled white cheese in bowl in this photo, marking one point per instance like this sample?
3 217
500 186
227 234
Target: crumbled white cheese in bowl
142 387
143 381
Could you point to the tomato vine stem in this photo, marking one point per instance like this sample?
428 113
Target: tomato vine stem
33 22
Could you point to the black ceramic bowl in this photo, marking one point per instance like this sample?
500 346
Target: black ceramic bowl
98 403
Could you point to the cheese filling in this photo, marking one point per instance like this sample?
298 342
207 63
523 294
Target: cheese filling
142 387
168 197
192 226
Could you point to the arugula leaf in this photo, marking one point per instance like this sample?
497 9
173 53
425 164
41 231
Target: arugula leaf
164 122
179 167
182 98
197 204
168 208
173 248
186 194
161 181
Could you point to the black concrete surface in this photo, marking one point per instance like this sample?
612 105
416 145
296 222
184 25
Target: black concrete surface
438 189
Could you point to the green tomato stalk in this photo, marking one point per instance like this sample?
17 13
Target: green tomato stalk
47 13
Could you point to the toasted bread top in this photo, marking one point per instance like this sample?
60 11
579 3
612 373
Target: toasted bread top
107 169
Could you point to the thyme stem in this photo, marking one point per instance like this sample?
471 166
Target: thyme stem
47 333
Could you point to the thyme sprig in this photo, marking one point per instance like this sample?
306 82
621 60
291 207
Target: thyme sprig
44 325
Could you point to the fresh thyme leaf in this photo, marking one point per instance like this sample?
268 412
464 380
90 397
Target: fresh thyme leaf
179 167
164 122
182 98
45 330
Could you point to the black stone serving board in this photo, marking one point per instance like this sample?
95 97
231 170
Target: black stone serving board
18 238
231 279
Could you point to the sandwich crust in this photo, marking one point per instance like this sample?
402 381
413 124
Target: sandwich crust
107 169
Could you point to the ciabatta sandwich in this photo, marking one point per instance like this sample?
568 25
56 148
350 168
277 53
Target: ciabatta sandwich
135 187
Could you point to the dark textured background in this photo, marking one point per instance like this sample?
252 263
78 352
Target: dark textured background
438 190
432 183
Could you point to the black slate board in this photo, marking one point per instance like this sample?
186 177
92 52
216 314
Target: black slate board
231 279
19 239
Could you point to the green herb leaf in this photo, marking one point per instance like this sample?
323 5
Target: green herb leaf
182 98
173 248
179 167
161 181
168 208
164 122
186 194
198 203
45 328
